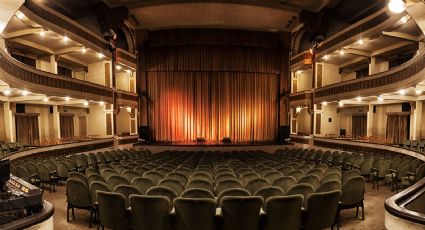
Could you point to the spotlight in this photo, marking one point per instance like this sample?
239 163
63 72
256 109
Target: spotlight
380 99
100 55
86 103
324 103
67 98
396 6
25 93
118 67
341 52
359 99
65 38
402 92
7 92
101 103
46 99
418 92
340 104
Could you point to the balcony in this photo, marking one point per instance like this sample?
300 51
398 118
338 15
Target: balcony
302 98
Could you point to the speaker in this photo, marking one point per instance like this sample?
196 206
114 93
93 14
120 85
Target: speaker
406 107
283 134
20 108
145 134
342 132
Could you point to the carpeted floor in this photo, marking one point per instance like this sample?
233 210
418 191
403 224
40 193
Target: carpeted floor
374 211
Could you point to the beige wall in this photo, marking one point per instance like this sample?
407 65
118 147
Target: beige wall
96 73
381 65
330 74
97 121
43 65
330 128
123 122
304 81
380 118
122 81
2 128
348 76
304 122
80 75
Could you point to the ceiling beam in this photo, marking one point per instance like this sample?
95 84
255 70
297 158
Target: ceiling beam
357 52
70 58
391 47
68 50
33 45
400 35
23 32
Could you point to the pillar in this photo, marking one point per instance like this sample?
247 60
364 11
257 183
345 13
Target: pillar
53 64
8 122
56 122
369 126
416 120
372 64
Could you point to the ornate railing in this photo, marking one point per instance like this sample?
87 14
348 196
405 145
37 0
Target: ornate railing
19 75
124 98
65 23
300 98
403 76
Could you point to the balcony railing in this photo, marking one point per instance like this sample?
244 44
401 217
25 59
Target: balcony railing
19 75
126 58
124 98
404 76
302 98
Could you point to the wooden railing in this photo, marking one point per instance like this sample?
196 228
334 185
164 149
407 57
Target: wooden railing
126 58
300 98
124 98
406 75
19 75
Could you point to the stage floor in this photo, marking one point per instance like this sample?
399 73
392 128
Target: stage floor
157 147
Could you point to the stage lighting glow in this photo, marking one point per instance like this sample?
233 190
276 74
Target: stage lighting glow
397 6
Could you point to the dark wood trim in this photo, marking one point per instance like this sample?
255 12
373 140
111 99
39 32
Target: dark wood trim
44 214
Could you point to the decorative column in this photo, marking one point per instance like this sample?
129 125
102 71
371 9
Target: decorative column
369 126
415 120
53 64
8 122
56 122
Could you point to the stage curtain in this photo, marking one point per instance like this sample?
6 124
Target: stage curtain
212 87
27 128
67 126
359 125
397 128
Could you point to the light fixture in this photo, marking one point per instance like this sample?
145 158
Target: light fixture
25 93
380 99
298 109
42 33
397 6
324 103
128 71
67 98
360 42
86 103
299 72
7 92
65 38
83 50
326 57
101 103
340 104
20 15
118 67
359 99
418 92
402 92
341 52
100 55
128 109
46 99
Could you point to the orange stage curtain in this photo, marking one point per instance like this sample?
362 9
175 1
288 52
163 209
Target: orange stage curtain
212 86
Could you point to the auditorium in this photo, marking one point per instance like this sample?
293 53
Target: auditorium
212 114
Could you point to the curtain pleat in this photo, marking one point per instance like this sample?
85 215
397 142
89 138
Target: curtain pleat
359 125
27 129
67 126
397 128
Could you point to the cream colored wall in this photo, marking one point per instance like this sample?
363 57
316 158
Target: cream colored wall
330 128
380 118
346 123
304 122
122 81
123 122
79 75
96 73
96 121
2 128
305 80
43 65
330 74
381 65
348 76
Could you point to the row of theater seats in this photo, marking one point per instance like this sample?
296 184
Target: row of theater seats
9 147
417 145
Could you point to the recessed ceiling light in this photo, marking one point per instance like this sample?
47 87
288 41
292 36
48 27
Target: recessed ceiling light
340 104
298 109
341 52
418 92
100 55
42 33
86 103
380 99
25 93
128 71
118 67
359 99
67 98
299 72
326 57
360 42
7 92
20 15
324 103
128 109
101 103
46 99
402 92
83 50
65 38
397 6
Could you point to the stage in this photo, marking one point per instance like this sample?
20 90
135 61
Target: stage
157 147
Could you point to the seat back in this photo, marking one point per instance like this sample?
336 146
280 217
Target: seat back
255 184
285 182
116 217
270 191
162 191
241 213
126 190
197 193
150 212
97 186
116 180
195 213
142 184
283 212
202 184
304 189
232 192
321 210
330 185
77 193
227 184
353 190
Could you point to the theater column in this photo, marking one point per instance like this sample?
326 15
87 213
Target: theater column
369 126
9 126
56 122
416 120
53 64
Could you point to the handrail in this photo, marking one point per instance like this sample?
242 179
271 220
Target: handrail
126 58
301 95
396 205
20 75
403 76
126 98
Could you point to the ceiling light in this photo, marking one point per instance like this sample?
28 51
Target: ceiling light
359 99
25 93
7 92
65 38
128 71
380 99
341 52
46 99
42 33
326 57
340 104
299 72
101 103
100 55
67 98
128 109
118 67
360 42
404 19
83 50
418 92
86 103
397 6
402 92
20 15
324 103
298 109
